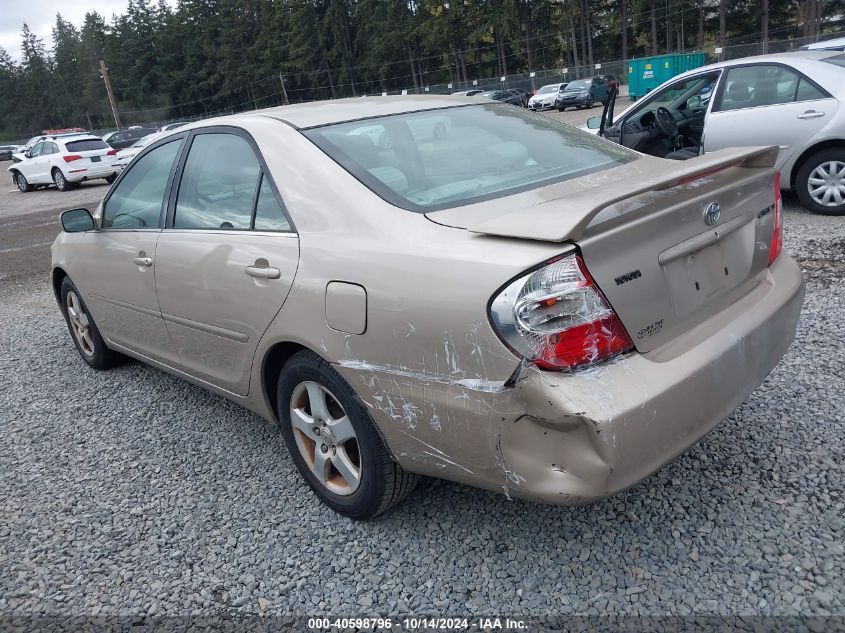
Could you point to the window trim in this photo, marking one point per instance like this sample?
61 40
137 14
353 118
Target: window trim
263 171
717 102
167 189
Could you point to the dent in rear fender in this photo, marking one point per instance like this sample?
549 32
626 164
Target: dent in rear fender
443 418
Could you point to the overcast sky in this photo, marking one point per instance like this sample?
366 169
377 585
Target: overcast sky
40 15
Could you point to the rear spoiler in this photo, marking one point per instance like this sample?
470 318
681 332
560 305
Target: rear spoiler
546 221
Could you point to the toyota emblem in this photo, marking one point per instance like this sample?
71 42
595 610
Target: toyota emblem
711 213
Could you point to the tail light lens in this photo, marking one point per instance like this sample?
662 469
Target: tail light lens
72 157
776 245
111 152
557 318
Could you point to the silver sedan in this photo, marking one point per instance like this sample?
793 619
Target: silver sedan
791 100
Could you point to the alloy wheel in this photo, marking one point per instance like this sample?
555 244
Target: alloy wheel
826 183
80 324
59 179
325 438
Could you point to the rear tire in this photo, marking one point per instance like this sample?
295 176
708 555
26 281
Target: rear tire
22 183
83 330
818 174
315 409
61 182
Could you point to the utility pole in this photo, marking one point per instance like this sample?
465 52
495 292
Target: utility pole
764 27
105 74
284 90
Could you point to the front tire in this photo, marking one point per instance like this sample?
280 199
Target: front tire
111 179
561 109
334 442
83 330
60 181
820 182
22 183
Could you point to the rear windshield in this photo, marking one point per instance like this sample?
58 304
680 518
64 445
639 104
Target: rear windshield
86 145
437 159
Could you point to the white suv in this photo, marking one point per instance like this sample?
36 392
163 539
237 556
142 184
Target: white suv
65 161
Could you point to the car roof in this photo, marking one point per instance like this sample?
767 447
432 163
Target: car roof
783 58
79 137
317 113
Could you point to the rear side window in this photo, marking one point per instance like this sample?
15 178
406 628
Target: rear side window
218 184
86 145
137 200
427 161
268 212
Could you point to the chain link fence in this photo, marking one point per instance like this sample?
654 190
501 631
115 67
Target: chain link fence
274 95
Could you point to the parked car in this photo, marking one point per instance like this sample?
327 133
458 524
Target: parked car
790 100
126 138
505 96
834 44
6 151
478 308
125 156
582 93
66 133
467 93
521 95
546 96
64 161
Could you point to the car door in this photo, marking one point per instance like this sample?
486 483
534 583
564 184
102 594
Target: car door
767 104
688 98
118 261
226 259
33 166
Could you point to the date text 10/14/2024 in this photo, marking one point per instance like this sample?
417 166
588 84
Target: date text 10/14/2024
419 624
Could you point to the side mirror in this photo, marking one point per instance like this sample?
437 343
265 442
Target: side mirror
594 122
693 103
77 221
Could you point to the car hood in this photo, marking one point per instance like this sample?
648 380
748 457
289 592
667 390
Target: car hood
538 215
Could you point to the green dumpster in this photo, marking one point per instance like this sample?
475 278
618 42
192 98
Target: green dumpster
645 74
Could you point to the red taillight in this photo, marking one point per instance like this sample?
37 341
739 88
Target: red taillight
557 317
111 152
776 245
72 157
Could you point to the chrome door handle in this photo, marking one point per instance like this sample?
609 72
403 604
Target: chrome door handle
263 273
143 261
810 114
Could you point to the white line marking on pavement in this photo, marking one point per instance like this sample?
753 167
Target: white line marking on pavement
23 248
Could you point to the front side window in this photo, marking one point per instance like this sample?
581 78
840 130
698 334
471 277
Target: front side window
137 200
465 155
218 184
759 85
37 150
695 92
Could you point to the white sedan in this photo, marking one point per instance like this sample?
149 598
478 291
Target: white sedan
65 162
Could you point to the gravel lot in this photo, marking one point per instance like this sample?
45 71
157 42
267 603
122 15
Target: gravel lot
131 492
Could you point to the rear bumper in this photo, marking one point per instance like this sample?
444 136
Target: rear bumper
639 413
92 173
574 438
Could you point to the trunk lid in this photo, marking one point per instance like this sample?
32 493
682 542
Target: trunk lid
646 240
